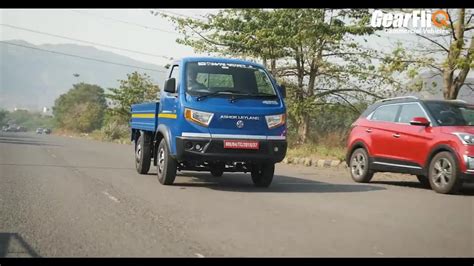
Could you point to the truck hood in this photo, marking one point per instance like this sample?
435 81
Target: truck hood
242 105
245 116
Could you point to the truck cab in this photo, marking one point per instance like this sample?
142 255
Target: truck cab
214 114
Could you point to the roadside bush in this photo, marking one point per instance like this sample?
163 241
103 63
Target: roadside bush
81 109
114 131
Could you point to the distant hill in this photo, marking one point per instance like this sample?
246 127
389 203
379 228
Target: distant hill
33 79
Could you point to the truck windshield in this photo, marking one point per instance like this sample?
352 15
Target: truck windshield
452 114
205 78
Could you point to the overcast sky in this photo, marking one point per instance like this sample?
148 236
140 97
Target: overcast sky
113 27
101 26
118 28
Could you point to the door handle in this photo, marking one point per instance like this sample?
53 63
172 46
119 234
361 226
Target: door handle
369 130
396 135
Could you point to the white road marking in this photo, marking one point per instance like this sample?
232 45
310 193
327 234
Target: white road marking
52 155
199 255
110 196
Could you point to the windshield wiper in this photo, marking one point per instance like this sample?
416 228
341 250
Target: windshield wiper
226 92
259 94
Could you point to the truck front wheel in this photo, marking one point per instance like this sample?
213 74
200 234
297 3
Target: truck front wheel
142 155
166 165
262 174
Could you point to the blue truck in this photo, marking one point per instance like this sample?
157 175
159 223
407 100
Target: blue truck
213 114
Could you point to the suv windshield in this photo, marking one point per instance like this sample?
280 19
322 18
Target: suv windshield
204 78
452 114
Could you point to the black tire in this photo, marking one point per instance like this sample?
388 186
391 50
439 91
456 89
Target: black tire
443 174
166 165
262 174
142 154
359 166
424 181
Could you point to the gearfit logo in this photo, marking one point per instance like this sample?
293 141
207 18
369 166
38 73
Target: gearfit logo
419 21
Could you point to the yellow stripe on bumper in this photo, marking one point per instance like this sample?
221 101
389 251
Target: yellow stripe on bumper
143 115
172 116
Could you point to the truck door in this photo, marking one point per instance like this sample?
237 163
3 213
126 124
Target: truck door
167 114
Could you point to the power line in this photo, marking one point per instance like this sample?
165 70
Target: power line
83 41
126 22
89 42
166 12
82 57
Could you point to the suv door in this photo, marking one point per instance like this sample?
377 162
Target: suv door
381 129
414 141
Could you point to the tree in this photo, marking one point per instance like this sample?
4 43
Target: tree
312 51
447 55
136 88
81 109
28 119
3 116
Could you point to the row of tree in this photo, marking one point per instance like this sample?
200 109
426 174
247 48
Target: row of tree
27 119
87 107
323 55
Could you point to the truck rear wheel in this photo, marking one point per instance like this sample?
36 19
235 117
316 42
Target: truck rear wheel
166 165
262 174
142 155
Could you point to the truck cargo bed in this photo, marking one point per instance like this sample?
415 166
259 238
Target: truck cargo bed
145 116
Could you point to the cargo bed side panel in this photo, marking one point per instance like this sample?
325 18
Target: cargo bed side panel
144 116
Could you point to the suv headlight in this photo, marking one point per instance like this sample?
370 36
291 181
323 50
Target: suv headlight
275 120
469 162
466 138
198 117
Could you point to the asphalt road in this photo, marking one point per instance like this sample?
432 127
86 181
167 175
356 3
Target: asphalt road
68 197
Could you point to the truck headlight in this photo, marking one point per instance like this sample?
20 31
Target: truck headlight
275 120
465 138
198 117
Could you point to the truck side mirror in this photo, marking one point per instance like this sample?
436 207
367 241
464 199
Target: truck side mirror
170 85
283 90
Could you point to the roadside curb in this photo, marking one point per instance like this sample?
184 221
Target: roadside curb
88 137
318 163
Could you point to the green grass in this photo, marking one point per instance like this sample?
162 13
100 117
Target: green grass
94 135
317 151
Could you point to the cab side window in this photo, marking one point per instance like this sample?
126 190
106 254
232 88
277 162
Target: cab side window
263 83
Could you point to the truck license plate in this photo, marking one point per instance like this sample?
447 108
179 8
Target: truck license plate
241 144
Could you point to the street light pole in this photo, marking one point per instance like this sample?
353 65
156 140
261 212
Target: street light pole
76 75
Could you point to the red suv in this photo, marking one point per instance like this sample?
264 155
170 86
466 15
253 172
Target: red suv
431 139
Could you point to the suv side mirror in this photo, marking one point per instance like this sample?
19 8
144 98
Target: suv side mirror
170 85
420 121
283 90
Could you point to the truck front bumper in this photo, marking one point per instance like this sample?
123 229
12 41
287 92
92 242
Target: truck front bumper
212 150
